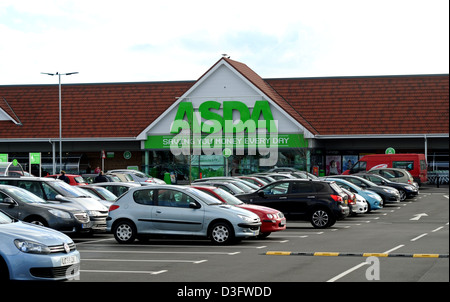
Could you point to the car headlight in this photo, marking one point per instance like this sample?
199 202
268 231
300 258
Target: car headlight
94 213
374 195
60 214
31 247
270 216
410 188
389 191
246 218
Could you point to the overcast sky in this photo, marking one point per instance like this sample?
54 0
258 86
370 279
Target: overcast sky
134 41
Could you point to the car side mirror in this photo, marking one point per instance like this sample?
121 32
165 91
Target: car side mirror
194 205
59 197
9 201
261 194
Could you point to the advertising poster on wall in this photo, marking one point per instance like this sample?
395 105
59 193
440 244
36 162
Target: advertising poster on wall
333 165
348 161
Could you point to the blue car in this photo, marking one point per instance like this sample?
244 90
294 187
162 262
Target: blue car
374 201
32 252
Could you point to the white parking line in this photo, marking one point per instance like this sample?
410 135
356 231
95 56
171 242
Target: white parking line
158 252
89 241
359 265
146 260
176 246
418 237
124 272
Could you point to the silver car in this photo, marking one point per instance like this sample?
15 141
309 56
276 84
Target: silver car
178 210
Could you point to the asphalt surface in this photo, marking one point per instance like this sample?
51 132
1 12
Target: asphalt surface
403 242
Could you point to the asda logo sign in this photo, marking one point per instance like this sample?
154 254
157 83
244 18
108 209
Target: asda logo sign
249 121
227 128
224 133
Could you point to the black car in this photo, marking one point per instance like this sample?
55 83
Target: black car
26 206
388 194
406 190
320 202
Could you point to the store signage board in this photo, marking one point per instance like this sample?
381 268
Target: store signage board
35 158
3 158
281 141
390 150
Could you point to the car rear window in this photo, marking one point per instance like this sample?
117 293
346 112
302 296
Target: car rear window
336 188
144 197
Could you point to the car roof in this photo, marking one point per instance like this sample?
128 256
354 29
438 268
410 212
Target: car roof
32 178
115 183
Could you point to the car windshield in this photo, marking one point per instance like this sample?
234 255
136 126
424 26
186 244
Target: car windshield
206 198
79 179
66 189
89 193
243 186
107 194
368 182
249 184
229 199
24 195
5 219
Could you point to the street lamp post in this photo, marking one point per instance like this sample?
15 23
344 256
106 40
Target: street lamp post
60 122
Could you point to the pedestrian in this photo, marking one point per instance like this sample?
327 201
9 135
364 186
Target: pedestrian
100 178
97 170
63 177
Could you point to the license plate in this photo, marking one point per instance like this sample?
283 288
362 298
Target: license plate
283 222
69 260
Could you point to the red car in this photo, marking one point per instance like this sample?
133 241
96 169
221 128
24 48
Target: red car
75 180
272 220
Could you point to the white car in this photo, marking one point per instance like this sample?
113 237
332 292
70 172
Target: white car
361 205
32 252
178 210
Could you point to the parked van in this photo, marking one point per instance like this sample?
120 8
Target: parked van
415 164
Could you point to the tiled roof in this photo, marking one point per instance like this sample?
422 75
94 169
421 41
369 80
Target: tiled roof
256 80
324 106
416 104
119 110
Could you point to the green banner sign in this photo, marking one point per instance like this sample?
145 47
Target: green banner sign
3 158
35 158
281 141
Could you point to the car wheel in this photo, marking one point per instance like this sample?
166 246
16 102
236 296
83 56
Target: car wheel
125 232
402 195
321 218
221 233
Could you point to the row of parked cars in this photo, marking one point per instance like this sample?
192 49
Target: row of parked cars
222 209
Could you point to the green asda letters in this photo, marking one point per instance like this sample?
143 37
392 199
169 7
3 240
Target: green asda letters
186 109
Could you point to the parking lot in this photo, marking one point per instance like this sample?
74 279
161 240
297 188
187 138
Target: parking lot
403 242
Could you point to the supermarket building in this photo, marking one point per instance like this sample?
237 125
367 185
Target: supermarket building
315 122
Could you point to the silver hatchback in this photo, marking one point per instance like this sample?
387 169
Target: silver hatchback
178 210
